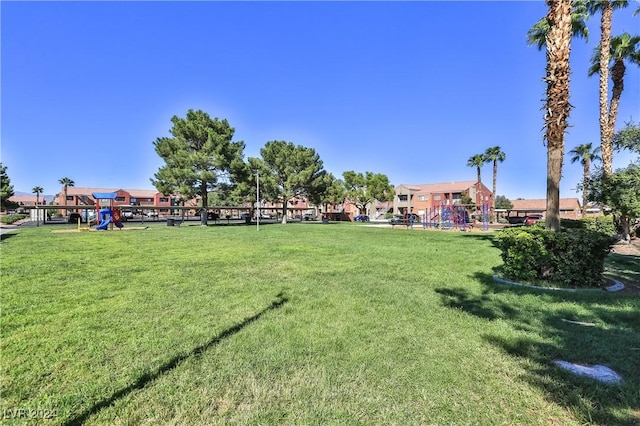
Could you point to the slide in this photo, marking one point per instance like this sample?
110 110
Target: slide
105 219
103 225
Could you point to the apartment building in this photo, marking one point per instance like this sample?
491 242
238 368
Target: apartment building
420 199
569 207
142 199
135 198
27 200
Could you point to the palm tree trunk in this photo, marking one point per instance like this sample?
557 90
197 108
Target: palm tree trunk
558 44
65 199
493 199
585 184
605 54
617 76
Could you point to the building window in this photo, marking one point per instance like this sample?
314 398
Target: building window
436 198
69 197
421 198
402 197
164 199
120 199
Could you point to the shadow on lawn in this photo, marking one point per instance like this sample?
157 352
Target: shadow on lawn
145 379
7 236
543 334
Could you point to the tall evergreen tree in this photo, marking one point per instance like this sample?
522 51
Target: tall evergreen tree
363 189
289 171
6 189
199 157
335 193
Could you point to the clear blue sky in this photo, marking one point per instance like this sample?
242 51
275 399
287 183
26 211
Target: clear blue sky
408 89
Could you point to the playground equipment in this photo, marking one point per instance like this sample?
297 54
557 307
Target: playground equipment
457 217
485 217
105 213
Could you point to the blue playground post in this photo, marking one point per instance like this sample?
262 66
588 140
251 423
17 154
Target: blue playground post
463 218
485 217
445 217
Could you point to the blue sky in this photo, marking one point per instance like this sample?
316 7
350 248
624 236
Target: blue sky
408 89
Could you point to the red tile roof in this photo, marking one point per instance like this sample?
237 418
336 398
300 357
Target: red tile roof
437 188
26 199
541 204
136 193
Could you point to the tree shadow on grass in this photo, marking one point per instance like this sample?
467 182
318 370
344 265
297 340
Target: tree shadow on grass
173 363
489 237
7 236
586 328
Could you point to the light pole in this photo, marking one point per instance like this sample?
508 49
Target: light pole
258 200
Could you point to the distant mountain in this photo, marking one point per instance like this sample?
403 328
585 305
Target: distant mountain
47 198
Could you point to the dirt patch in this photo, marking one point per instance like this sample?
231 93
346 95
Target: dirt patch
630 248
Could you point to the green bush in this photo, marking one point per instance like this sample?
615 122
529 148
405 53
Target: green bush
570 257
11 218
603 224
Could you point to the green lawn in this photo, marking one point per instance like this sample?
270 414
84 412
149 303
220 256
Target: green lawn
299 324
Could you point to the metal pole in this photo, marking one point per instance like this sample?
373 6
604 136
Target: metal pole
258 200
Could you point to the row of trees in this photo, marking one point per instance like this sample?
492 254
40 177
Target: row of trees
565 20
491 155
201 159
6 189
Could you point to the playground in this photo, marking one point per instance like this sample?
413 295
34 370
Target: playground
448 217
107 216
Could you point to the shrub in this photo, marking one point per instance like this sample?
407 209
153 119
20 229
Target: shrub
602 224
11 218
572 257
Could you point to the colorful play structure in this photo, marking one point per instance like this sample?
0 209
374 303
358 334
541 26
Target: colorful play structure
106 214
448 217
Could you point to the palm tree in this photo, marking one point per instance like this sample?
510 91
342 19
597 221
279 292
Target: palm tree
67 183
493 155
565 19
606 8
585 153
477 161
579 15
37 190
557 107
622 48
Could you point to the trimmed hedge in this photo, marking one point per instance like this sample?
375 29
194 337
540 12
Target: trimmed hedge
603 224
570 257
11 218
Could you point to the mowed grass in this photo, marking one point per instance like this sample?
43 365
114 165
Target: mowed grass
299 324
